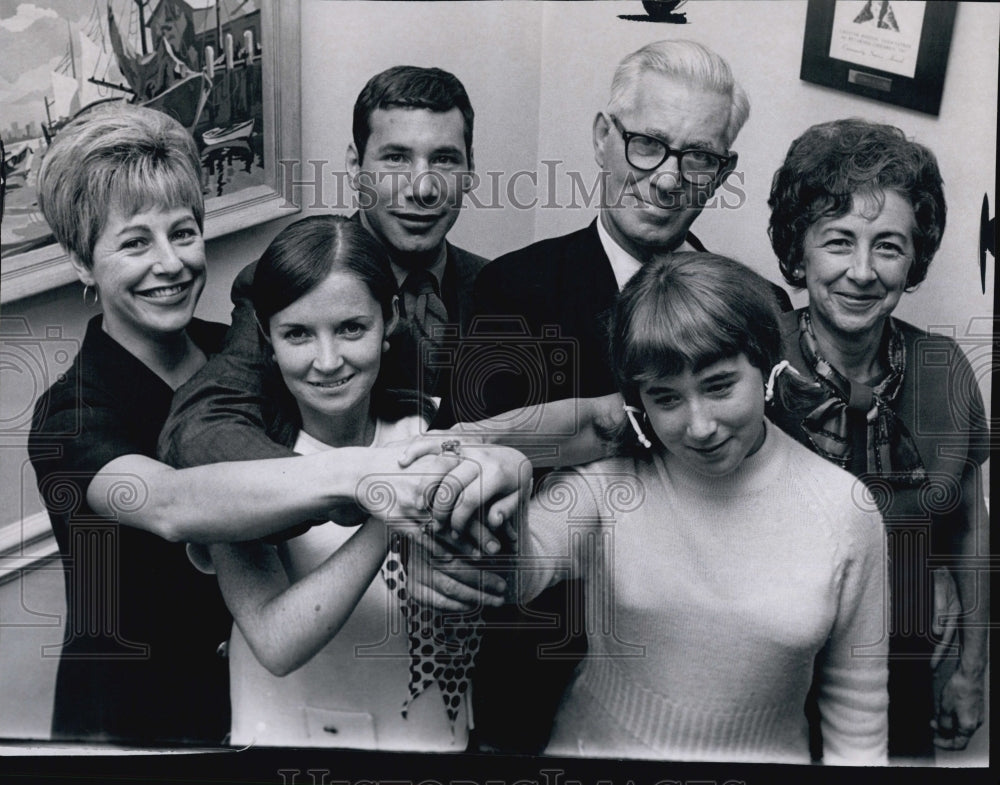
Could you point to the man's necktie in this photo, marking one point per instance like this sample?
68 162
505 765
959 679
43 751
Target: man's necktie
424 306
427 316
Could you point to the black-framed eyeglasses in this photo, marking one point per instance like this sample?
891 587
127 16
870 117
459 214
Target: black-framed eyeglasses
698 167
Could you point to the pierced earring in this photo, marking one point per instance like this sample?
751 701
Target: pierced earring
631 412
775 373
385 346
86 290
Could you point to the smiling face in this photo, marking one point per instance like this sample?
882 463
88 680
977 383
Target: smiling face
149 270
328 346
650 212
710 419
856 266
411 180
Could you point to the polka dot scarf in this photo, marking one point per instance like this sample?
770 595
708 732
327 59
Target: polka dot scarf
442 646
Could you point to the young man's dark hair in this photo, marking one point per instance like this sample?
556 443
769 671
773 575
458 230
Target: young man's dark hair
413 87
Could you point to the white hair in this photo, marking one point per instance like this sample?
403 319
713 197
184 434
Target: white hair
685 60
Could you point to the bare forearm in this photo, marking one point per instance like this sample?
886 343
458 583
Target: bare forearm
559 433
972 582
971 548
287 625
961 702
225 502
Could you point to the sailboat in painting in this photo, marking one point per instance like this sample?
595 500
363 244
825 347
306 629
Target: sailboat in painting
170 78
228 134
17 164
197 60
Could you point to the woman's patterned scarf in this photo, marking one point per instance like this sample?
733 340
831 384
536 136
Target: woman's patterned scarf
891 451
442 646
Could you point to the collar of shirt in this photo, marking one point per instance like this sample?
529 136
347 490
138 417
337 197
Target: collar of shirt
623 264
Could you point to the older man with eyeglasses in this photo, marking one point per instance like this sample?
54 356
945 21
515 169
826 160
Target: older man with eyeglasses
663 144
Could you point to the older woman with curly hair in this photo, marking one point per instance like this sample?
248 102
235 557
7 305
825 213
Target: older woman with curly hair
858 212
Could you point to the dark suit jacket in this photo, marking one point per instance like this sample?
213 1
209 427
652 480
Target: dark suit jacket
563 288
237 408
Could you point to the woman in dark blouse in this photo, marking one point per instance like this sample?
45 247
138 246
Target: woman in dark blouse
121 189
858 212
122 194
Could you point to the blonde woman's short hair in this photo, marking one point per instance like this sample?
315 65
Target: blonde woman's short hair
116 155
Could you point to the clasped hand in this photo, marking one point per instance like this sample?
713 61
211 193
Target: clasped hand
466 504
468 499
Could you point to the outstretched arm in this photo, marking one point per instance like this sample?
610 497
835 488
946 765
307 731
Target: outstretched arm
559 433
285 623
237 501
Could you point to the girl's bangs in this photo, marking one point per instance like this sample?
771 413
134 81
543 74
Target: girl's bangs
671 337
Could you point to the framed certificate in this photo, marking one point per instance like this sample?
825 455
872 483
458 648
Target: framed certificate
890 50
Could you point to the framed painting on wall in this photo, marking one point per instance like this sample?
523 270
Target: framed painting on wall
228 70
890 50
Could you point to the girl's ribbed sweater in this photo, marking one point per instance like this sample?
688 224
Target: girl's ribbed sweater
708 600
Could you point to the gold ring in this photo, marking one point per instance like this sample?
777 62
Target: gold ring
451 447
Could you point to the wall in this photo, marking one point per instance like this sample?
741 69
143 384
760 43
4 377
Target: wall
536 74
493 47
763 43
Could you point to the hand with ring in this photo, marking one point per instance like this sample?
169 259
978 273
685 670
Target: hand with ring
451 447
393 488
482 495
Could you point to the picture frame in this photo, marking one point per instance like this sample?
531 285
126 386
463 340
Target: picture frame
31 272
888 50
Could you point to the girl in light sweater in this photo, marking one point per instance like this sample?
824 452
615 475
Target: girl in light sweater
722 560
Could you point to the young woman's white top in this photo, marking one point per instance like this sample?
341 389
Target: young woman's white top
351 693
